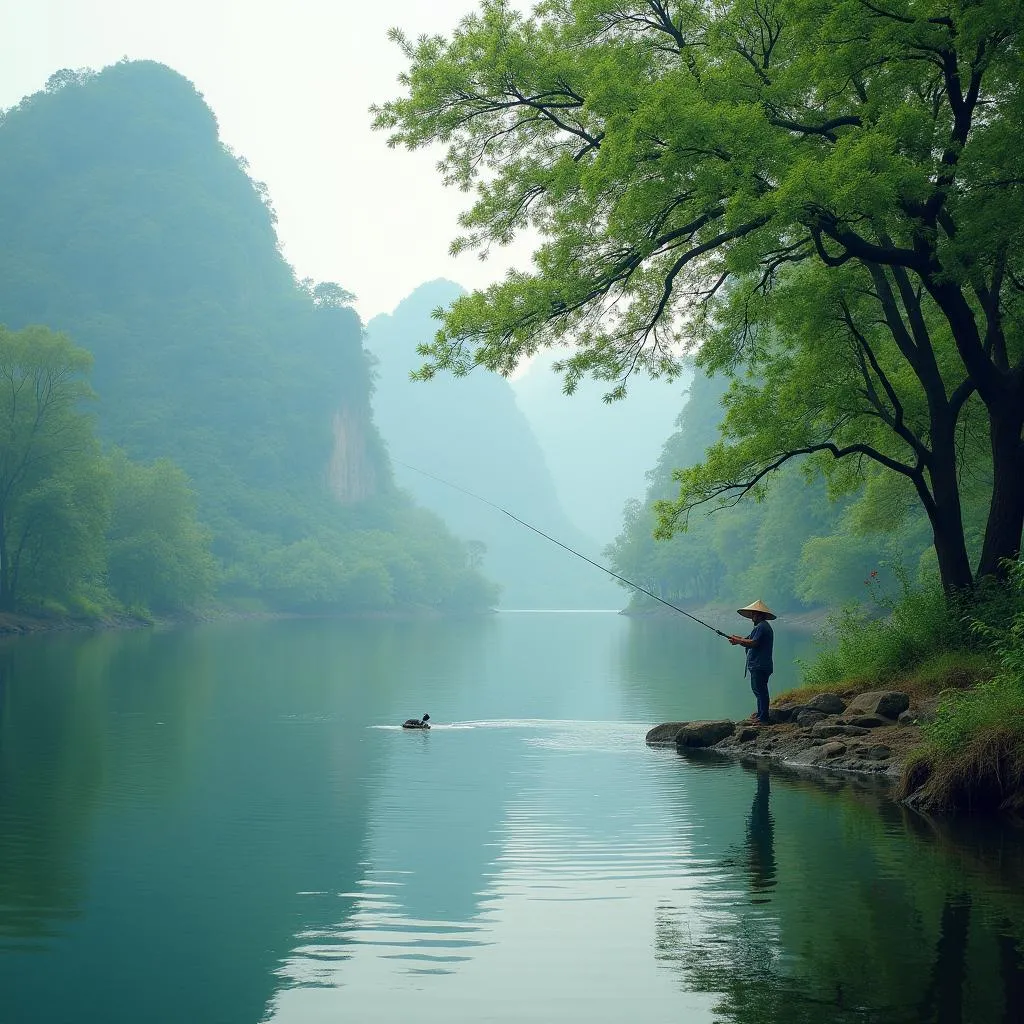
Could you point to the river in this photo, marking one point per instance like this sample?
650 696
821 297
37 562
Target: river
221 824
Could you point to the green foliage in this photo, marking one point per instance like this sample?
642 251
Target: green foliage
53 495
126 222
918 633
158 554
798 548
824 198
885 637
963 716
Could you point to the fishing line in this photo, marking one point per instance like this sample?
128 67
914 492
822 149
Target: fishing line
565 547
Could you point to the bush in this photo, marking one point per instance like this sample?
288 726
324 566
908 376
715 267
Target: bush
887 637
995 703
975 752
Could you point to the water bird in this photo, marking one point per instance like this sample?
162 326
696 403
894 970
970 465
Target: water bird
416 723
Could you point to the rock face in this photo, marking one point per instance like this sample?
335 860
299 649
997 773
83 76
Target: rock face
704 734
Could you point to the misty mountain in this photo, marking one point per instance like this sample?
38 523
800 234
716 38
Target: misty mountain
470 432
599 453
125 222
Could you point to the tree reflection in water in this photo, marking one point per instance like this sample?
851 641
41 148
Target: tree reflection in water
847 921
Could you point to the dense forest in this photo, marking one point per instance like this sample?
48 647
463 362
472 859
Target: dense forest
798 547
247 464
472 434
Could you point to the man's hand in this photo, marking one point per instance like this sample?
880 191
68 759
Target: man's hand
734 640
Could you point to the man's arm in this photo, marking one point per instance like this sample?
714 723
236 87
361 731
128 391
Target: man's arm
754 640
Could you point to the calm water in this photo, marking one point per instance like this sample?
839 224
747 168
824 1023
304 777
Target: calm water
221 824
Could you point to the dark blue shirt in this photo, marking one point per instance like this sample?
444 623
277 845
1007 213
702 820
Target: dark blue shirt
759 657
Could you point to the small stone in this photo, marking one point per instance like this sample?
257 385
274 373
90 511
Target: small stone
704 734
826 730
810 717
829 750
854 730
828 703
746 734
879 752
867 721
779 716
916 716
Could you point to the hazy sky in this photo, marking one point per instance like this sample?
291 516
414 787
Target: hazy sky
290 82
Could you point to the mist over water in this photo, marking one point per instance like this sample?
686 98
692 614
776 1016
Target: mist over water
223 823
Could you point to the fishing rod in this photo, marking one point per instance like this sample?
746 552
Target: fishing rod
573 551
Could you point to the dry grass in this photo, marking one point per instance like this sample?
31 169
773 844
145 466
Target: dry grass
986 774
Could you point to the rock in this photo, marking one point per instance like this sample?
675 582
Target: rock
829 750
828 703
879 752
918 716
779 716
747 733
826 730
854 730
810 717
887 703
704 734
867 721
664 735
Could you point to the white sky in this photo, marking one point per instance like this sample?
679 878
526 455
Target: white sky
290 82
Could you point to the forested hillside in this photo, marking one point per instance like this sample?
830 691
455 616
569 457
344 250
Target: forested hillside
797 549
472 433
128 225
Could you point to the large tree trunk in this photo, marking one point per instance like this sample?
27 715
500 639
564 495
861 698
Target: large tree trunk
1006 512
946 514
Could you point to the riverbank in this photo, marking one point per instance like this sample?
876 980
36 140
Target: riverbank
724 618
31 623
872 733
26 624
876 733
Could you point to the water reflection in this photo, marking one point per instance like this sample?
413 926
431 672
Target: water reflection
761 833
870 917
207 825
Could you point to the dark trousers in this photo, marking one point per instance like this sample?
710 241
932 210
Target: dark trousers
759 684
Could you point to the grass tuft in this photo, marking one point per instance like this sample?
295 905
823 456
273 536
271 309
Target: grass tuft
985 774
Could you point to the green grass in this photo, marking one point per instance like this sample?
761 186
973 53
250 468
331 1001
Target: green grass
972 657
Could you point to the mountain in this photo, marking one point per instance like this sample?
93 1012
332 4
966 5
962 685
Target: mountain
599 452
470 432
125 222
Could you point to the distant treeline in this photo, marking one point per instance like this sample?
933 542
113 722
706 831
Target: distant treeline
232 451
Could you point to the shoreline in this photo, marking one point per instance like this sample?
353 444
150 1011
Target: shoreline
15 624
724 618
872 734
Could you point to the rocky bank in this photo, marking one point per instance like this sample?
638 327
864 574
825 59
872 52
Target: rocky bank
870 733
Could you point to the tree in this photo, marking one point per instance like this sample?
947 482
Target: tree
680 161
158 552
52 502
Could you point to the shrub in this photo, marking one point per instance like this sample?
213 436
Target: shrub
876 641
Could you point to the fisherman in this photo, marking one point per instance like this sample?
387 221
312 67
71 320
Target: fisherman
759 654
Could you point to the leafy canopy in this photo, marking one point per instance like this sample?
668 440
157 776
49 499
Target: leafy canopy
660 150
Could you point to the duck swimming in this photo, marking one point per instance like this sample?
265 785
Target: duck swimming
416 723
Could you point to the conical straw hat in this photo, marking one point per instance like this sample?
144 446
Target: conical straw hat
757 606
